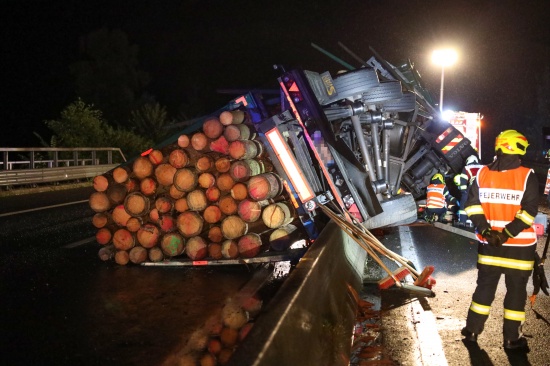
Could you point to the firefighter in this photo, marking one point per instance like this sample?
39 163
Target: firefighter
502 204
437 199
463 182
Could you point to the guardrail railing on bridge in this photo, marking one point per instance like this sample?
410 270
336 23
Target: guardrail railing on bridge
35 165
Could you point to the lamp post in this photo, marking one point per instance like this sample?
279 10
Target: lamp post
443 58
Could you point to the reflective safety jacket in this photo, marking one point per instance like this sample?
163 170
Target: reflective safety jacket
504 196
436 196
500 195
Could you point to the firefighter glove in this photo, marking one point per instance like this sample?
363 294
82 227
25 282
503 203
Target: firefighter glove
494 238
502 237
539 277
489 236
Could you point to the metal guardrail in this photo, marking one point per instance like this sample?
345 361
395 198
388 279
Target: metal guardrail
24 166
51 175
315 308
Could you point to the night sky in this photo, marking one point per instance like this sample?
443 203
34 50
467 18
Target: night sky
504 48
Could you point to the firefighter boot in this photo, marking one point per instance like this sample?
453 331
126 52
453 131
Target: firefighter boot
468 336
430 217
521 342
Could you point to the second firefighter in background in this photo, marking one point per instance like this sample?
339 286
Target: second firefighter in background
438 199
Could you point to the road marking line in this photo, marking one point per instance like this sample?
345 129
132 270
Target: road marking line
455 230
42 208
430 344
80 242
407 249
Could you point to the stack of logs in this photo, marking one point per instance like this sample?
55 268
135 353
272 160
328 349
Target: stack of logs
222 333
211 194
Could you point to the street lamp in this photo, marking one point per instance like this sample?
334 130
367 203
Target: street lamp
443 58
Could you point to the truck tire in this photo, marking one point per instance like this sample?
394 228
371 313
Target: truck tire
398 140
406 103
384 92
398 210
354 83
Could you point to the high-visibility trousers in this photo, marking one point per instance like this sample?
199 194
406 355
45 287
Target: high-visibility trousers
514 302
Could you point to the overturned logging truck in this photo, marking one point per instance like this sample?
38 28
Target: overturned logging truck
262 182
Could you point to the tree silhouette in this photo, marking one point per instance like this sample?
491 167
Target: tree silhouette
109 77
150 120
81 125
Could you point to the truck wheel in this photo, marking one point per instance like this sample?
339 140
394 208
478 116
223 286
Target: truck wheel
398 140
407 103
354 83
398 210
386 91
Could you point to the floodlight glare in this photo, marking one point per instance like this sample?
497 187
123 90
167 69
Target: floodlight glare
443 58
447 115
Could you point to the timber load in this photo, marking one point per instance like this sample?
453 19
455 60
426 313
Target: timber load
209 197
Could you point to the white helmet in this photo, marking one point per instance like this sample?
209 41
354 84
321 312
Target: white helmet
472 159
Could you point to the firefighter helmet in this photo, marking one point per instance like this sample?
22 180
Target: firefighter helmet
472 159
511 142
437 178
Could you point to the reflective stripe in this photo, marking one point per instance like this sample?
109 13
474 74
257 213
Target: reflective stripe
501 205
528 235
498 224
505 262
452 144
474 210
457 179
514 315
435 197
500 196
480 309
443 135
525 217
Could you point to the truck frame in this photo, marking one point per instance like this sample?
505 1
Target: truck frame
367 140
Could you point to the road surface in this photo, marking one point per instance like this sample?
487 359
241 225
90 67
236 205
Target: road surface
61 305
426 331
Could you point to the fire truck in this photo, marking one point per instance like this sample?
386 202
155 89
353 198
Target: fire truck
367 140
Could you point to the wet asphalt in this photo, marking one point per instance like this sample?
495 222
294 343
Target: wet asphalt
63 306
426 331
